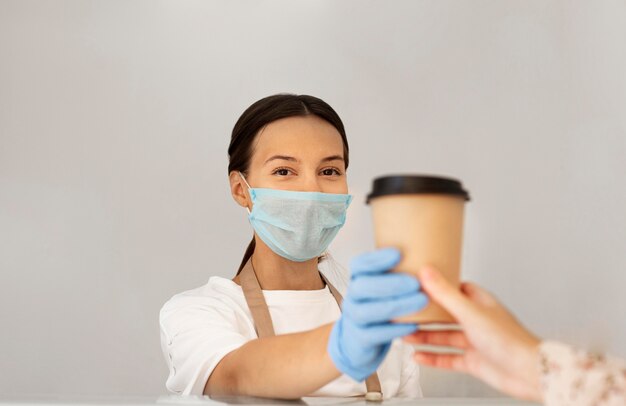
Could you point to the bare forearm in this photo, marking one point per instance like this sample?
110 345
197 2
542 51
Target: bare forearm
285 366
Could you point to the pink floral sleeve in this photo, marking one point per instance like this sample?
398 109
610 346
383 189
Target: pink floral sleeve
574 377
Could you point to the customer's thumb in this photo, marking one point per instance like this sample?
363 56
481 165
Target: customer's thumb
444 293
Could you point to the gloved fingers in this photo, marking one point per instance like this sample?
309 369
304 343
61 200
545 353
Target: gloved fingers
383 333
377 261
387 285
381 311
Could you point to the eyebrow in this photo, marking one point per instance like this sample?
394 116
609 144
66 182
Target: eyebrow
292 159
333 158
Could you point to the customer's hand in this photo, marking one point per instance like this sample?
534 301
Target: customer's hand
497 348
361 338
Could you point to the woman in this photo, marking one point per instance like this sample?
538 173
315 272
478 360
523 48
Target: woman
500 351
275 329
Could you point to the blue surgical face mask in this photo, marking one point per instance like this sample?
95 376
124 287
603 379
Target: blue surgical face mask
296 225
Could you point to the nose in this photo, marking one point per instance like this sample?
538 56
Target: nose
310 183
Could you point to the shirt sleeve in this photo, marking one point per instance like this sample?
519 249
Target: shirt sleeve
574 377
196 333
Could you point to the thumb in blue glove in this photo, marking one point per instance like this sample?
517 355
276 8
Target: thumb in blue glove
361 338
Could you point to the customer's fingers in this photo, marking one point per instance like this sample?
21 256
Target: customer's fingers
478 295
444 293
446 338
377 261
445 361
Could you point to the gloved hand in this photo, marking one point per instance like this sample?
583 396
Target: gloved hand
361 338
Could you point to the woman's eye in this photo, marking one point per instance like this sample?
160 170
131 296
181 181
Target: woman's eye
330 172
281 172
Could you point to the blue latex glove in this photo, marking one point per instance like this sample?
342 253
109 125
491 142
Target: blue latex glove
361 338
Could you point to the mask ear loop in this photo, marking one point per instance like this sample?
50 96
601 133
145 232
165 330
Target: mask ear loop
247 184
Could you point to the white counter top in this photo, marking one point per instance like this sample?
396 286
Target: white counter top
203 400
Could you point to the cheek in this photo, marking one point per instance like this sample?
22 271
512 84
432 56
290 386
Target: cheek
337 187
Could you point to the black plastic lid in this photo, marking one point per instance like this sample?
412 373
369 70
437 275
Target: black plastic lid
416 184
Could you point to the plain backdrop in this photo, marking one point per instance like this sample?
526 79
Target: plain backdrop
115 117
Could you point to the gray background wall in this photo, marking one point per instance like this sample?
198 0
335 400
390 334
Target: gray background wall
115 117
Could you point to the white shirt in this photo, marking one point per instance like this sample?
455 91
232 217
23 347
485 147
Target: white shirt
200 326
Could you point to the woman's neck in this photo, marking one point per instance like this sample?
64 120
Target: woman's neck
277 273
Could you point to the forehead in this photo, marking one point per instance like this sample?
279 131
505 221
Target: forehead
298 137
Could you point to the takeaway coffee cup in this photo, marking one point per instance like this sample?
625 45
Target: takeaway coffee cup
423 217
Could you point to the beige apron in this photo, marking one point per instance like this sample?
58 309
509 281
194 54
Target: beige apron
263 321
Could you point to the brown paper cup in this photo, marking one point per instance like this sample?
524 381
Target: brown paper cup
423 217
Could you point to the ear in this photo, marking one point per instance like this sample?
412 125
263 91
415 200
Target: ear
239 190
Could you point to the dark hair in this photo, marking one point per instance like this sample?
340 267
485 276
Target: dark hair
265 111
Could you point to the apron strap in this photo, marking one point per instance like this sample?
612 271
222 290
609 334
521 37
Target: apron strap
256 301
265 328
